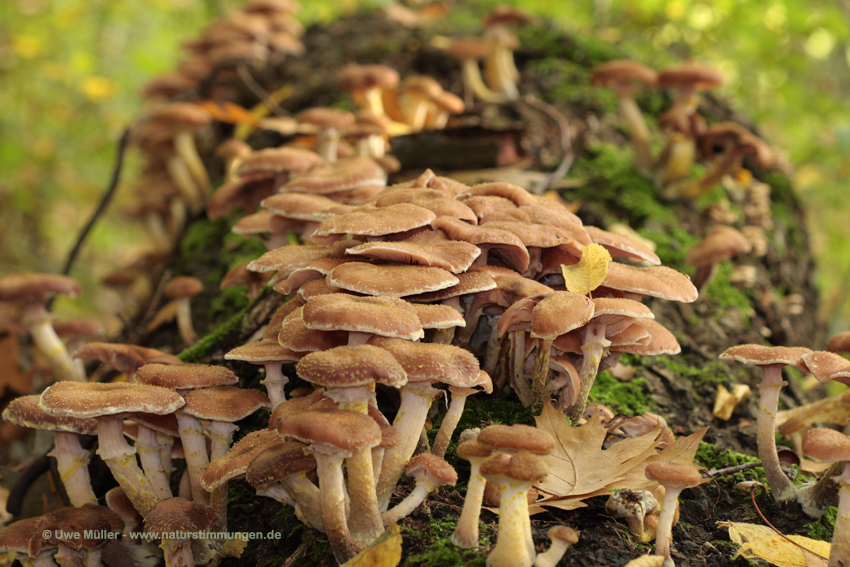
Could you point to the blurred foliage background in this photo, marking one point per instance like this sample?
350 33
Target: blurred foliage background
70 73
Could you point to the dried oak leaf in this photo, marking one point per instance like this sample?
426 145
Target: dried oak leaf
580 469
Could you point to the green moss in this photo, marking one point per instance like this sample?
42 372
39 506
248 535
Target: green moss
823 528
711 457
439 550
623 397
197 351
713 372
721 296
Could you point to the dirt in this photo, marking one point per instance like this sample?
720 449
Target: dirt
554 67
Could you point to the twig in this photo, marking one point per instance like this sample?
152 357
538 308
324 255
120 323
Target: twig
771 526
714 473
153 304
566 143
259 91
544 491
104 202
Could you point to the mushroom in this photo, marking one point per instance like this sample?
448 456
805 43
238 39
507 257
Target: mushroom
840 343
626 78
450 420
466 532
633 506
674 478
177 516
331 123
499 67
681 129
32 291
78 533
469 52
689 79
562 537
365 83
771 360
16 539
721 243
182 289
431 472
272 356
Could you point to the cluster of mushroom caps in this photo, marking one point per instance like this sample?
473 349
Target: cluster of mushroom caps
825 445
686 133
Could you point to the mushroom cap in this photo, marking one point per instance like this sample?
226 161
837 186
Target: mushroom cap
840 343
524 466
472 449
502 243
15 537
295 405
344 429
85 527
623 73
432 467
224 403
615 310
94 399
826 445
117 501
388 316
354 77
346 366
656 281
235 462
277 461
295 335
271 161
731 133
325 117
262 352
36 287
432 362
693 75
760 355
673 474
438 316
182 115
78 329
622 246
231 148
301 206
184 376
721 243
380 221
516 437
343 175
183 286
390 280
179 515
563 533
826 366
661 341
166 423
468 48
560 312
452 255
505 15
123 357
25 411
468 282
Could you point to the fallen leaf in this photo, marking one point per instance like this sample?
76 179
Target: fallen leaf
830 410
761 542
590 271
385 552
233 547
647 561
741 533
727 401
579 468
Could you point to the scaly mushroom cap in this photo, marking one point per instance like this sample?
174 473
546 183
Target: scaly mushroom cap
93 399
662 341
390 280
509 191
123 357
267 163
560 312
179 515
721 243
375 221
656 281
388 316
351 366
672 474
15 538
516 437
344 429
469 282
224 403
502 243
434 200
235 462
184 376
432 362
279 460
840 343
759 355
622 73
294 405
300 206
451 255
36 287
344 175
622 246
262 352
25 411
523 466
438 316
295 335
828 366
87 527
826 445
433 467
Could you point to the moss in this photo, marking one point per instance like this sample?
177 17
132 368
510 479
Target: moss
711 457
721 296
713 372
623 397
439 550
823 528
197 351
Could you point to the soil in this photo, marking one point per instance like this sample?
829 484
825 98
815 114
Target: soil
554 67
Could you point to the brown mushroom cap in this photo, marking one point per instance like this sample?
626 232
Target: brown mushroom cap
563 533
326 118
179 515
186 375
182 115
352 366
560 312
15 537
721 243
433 466
655 281
295 335
235 463
277 461
183 286
451 255
438 316
673 474
826 366
390 280
622 246
123 357
516 437
692 75
760 355
354 77
468 48
86 527
262 352
93 399
224 403
388 316
35 287
840 343
432 362
523 466
622 73
380 221
344 429
25 411
826 445
344 175
472 449
269 162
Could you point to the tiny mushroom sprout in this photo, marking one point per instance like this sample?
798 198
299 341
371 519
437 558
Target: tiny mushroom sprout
469 52
674 478
333 435
177 516
182 289
514 474
108 403
31 291
771 360
459 391
635 507
71 459
431 472
562 537
829 445
626 78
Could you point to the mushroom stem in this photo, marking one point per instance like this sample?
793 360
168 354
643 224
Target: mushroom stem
450 420
195 449
182 178
274 382
308 499
184 145
120 457
72 461
365 519
817 497
411 501
499 75
221 436
473 81
166 444
839 555
150 456
177 552
780 485
663 536
155 227
511 549
332 486
541 373
40 327
593 349
466 533
184 321
638 132
728 162
327 144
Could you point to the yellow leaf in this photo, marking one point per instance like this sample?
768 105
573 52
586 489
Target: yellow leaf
742 533
647 561
590 271
97 89
233 547
780 552
385 552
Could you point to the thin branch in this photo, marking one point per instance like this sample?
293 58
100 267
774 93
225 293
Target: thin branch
714 473
101 207
259 91
771 526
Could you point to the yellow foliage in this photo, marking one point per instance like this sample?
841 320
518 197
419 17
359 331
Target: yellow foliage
761 542
385 552
97 89
590 271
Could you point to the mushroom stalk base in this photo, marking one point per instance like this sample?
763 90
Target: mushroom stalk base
638 132
365 520
780 485
466 533
408 505
449 424
839 556
511 549
195 449
593 350
332 486
664 535
817 497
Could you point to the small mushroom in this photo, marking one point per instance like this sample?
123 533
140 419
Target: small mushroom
182 289
431 472
562 537
674 478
